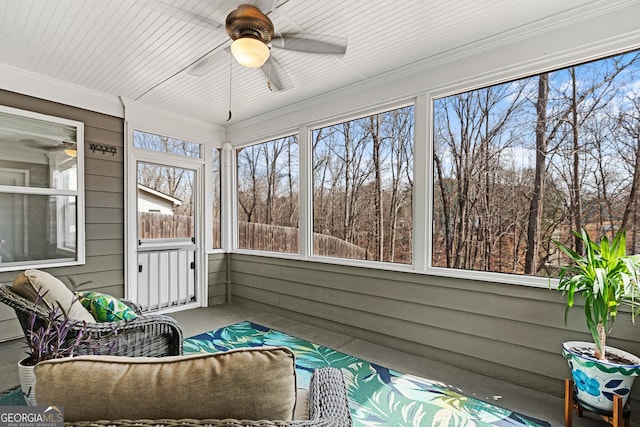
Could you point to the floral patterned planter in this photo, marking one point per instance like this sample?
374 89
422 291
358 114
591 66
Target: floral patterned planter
597 381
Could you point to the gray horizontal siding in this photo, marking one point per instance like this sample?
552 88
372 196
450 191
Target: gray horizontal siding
217 279
503 331
9 324
104 203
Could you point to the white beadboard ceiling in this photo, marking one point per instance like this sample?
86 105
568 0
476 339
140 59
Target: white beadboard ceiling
142 49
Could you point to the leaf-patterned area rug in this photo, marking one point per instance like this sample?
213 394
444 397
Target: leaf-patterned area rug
378 396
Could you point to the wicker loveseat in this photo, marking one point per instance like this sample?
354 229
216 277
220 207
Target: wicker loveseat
146 335
254 386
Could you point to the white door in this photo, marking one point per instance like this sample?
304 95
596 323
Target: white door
166 230
166 260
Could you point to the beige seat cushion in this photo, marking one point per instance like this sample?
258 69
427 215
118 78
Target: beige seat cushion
31 282
253 383
302 405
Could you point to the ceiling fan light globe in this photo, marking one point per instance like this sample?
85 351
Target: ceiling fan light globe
250 52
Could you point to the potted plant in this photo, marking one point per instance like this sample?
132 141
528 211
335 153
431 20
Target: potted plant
52 339
606 278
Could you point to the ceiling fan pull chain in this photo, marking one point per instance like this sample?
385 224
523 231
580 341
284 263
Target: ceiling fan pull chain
230 75
269 77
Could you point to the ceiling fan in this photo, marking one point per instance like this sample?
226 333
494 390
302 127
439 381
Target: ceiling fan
253 36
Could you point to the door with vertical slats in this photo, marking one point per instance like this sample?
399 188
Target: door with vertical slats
166 248
166 273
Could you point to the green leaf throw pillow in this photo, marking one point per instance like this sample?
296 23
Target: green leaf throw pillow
105 308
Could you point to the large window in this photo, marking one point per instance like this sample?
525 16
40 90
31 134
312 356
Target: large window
40 196
521 163
268 196
363 188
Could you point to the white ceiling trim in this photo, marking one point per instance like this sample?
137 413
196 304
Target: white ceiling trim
39 86
150 119
32 84
530 31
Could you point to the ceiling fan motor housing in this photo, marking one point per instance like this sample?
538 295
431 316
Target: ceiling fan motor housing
249 21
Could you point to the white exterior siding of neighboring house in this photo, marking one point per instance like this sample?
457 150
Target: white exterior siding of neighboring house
150 200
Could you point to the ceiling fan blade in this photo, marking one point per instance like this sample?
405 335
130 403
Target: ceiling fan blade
311 43
167 8
277 77
207 63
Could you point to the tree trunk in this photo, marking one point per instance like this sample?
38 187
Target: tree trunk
537 197
576 203
377 197
446 216
635 182
347 231
487 231
292 214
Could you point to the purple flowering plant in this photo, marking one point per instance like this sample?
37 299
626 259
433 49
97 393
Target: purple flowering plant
56 336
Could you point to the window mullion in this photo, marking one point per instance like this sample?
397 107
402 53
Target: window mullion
422 189
305 193
37 191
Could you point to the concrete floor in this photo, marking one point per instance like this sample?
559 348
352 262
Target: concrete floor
516 398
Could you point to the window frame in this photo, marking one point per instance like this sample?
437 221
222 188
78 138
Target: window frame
357 116
573 59
305 185
423 176
232 154
458 71
78 193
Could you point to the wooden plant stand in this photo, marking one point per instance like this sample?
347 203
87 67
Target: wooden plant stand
619 417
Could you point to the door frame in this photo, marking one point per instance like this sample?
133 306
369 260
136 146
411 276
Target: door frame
132 157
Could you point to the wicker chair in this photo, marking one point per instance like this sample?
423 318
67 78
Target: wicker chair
146 335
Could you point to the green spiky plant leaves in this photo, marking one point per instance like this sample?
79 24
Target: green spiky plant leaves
606 278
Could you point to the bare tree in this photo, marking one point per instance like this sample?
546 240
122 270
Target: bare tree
470 137
362 182
378 236
537 196
574 125
629 122
400 127
248 181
